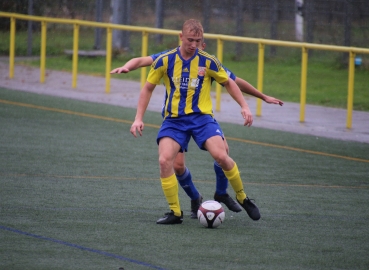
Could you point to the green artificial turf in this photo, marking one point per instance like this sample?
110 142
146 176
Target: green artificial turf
79 192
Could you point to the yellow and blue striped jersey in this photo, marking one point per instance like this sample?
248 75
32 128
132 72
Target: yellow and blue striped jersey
187 82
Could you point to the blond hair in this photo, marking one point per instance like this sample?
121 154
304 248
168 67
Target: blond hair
193 26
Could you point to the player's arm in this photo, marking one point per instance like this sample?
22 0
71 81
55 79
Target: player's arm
247 88
134 64
143 102
236 94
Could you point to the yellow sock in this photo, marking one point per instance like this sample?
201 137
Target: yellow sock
170 189
235 180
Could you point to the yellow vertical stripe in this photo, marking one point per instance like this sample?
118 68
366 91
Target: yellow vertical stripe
167 86
177 73
192 84
205 104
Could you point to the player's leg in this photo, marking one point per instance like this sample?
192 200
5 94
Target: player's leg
222 181
221 194
216 148
209 137
168 149
184 178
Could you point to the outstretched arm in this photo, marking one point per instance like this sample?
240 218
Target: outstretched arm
249 89
236 94
143 102
134 64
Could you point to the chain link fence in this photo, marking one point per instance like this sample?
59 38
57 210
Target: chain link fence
334 22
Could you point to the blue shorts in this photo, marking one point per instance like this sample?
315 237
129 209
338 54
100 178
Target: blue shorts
198 126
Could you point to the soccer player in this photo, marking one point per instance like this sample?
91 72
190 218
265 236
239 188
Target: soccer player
183 174
188 72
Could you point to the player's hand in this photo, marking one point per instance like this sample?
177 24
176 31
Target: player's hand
138 126
247 115
120 70
272 100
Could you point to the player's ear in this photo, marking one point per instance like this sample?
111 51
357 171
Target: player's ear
203 46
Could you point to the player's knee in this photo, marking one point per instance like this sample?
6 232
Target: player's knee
165 164
222 159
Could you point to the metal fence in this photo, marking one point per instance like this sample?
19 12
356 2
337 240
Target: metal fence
145 31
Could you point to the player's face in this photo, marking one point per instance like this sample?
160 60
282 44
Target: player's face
190 41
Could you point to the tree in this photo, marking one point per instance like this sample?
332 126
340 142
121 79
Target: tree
121 10
159 19
274 25
99 9
206 11
239 27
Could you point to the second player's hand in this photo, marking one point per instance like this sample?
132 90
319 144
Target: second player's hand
247 115
119 70
137 126
272 100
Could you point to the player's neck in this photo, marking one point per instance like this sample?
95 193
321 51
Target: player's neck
185 55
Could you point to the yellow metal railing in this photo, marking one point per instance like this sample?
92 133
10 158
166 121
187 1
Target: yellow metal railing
77 23
218 88
260 77
75 54
145 41
109 42
304 64
220 39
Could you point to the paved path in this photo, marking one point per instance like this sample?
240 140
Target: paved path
319 121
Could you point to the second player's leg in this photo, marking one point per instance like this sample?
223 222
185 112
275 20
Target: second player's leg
216 148
184 178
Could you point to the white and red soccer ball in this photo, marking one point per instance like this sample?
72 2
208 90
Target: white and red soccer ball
211 214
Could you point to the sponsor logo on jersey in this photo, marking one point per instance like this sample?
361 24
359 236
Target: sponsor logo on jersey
185 70
201 71
185 82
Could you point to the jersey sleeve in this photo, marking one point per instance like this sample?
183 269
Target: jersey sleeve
215 68
217 72
230 73
156 55
157 70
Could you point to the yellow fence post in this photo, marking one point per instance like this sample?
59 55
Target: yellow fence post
303 83
109 44
75 55
350 94
43 52
218 89
12 47
145 45
260 76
